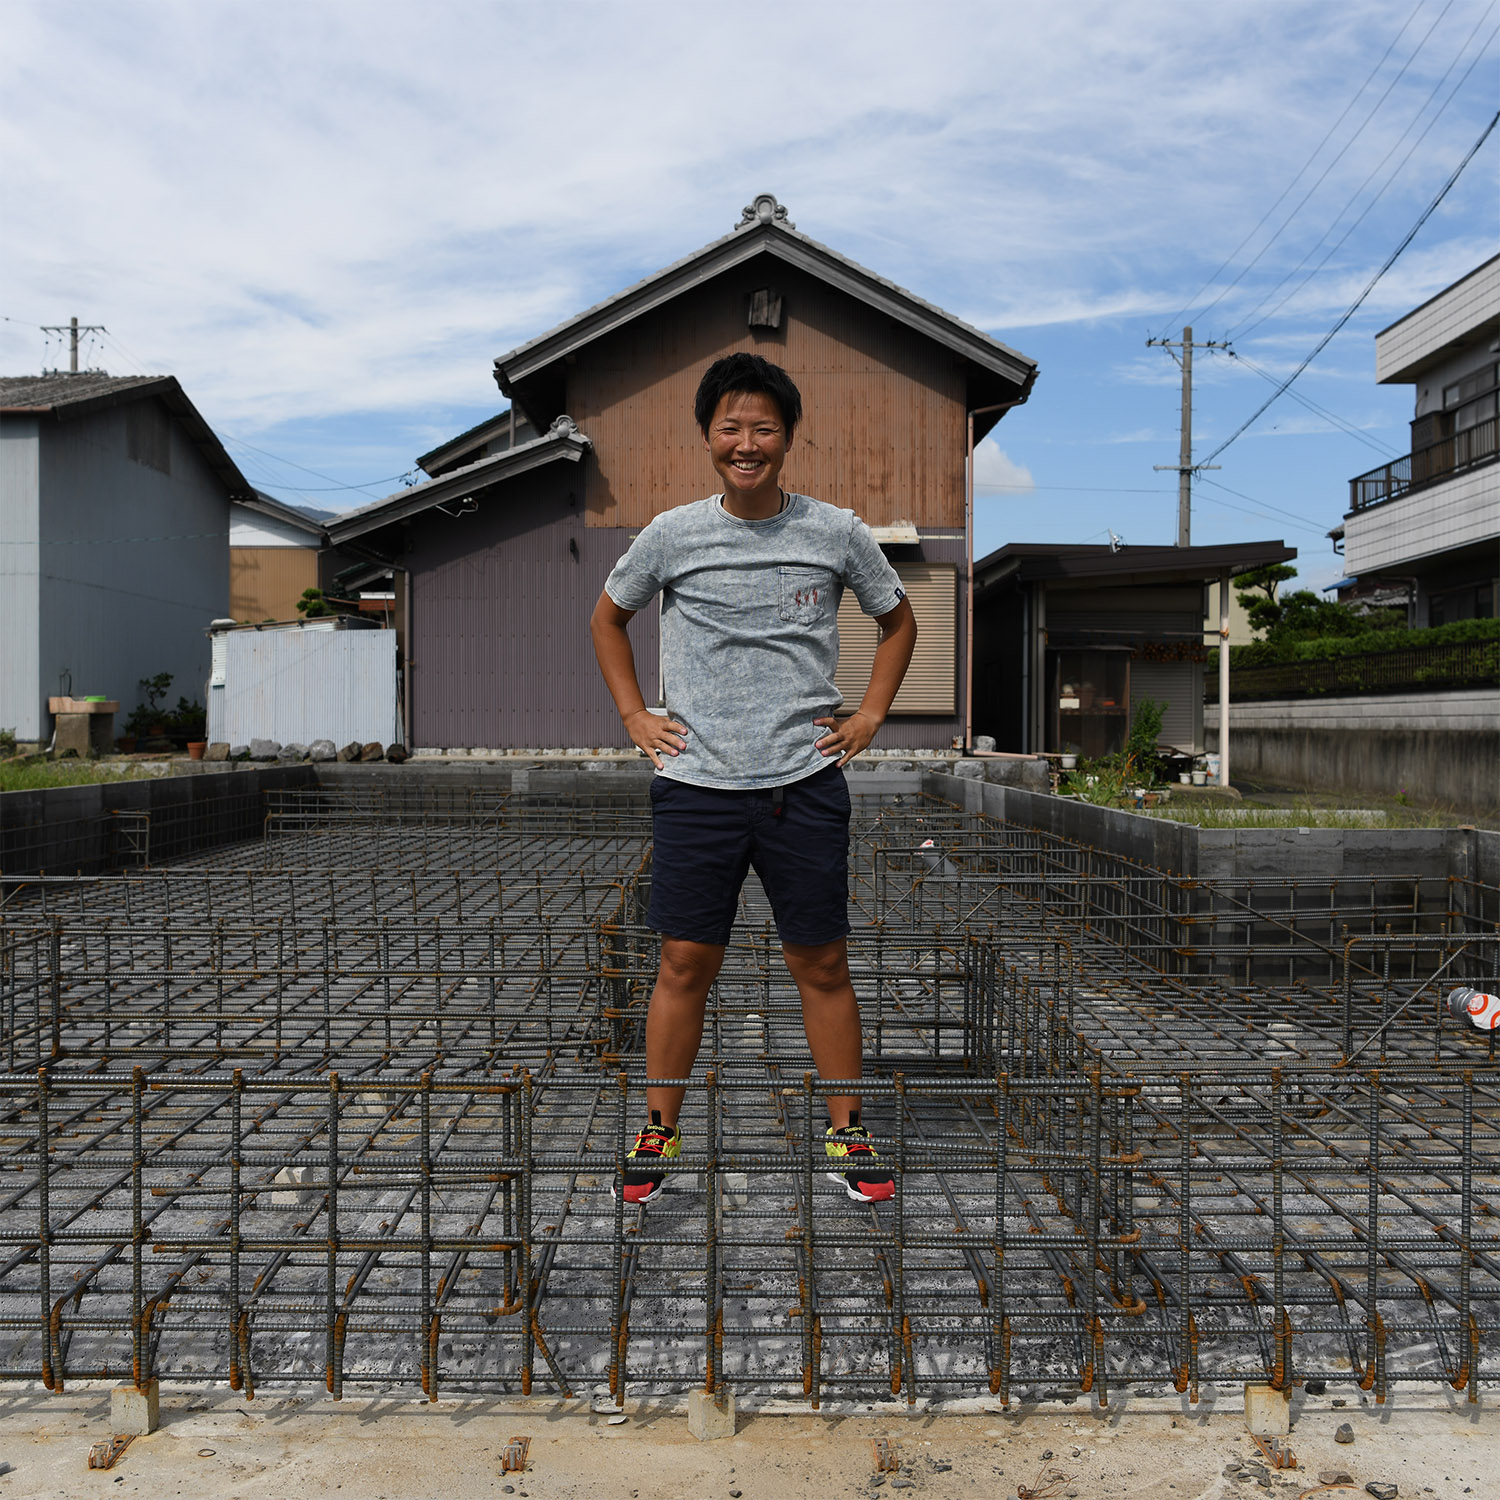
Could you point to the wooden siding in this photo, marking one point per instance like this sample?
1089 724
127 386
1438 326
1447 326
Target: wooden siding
265 583
883 428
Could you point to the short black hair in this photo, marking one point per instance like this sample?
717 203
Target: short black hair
747 375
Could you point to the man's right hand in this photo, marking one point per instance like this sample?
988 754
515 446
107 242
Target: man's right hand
655 734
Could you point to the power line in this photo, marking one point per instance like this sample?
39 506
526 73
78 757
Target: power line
1390 260
1249 321
1298 523
1281 228
1329 416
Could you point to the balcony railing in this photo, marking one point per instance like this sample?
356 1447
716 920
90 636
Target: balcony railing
1411 669
1464 449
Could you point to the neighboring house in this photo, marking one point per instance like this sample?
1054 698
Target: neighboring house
1430 520
274 552
497 560
1067 640
115 500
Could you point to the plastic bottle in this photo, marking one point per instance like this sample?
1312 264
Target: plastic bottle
1476 1007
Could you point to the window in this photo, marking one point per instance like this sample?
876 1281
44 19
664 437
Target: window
931 682
1089 710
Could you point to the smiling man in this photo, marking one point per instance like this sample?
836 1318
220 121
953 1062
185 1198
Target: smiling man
750 755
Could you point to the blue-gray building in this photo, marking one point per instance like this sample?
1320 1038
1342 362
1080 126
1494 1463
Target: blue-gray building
114 541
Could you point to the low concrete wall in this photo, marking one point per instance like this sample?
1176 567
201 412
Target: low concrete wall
1231 854
73 829
1442 749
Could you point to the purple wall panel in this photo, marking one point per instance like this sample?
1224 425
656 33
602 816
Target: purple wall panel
501 655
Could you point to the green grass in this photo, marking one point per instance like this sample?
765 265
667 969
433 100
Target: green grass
32 775
1242 815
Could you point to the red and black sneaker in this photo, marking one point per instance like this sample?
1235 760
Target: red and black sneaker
654 1143
864 1179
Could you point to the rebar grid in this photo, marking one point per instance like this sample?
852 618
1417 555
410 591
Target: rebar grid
278 1116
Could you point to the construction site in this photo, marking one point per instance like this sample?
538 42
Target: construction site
320 1087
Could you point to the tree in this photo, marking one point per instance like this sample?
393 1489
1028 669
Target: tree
313 605
1258 594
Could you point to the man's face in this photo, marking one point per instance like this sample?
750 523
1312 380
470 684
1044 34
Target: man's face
747 443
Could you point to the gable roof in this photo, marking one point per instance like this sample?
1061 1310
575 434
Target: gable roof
998 373
65 397
310 521
475 437
562 441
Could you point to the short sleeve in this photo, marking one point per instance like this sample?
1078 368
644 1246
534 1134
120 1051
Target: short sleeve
868 572
636 579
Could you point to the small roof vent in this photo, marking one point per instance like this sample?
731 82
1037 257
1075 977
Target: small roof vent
765 210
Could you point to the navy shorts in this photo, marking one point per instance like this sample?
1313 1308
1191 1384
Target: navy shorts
707 839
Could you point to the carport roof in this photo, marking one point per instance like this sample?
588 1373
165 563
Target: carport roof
1027 562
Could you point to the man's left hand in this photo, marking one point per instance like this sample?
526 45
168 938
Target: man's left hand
846 737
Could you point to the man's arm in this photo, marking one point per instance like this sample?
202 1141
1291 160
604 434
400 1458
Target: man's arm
651 732
898 638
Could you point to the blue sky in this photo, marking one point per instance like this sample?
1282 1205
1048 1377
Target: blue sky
327 219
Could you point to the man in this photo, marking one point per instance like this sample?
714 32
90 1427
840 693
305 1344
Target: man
751 758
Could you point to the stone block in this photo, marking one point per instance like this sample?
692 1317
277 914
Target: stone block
239 752
322 750
264 749
1028 775
291 755
970 770
707 1419
372 751
350 752
297 1187
1268 1412
984 742
598 765
134 1411
219 750
396 754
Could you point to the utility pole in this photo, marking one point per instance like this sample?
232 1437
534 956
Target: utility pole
72 328
1184 466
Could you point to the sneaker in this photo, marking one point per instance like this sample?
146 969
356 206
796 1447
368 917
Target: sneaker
869 1182
654 1143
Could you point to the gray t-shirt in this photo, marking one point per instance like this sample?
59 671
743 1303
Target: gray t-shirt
749 630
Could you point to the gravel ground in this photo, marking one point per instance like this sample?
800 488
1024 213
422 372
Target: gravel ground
1144 1449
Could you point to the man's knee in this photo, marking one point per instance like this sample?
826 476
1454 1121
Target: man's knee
823 968
689 966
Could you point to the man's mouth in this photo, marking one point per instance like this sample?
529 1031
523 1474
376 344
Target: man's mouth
747 465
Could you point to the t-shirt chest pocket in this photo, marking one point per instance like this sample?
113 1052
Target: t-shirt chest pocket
806 595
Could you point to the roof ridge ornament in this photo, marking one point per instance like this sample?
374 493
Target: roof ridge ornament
563 426
764 210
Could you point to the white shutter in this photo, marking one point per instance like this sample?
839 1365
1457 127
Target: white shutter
1178 684
931 683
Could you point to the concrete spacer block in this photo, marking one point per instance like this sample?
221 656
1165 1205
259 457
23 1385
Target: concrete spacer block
1268 1412
134 1411
708 1420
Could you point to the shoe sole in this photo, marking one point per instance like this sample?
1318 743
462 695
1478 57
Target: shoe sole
853 1191
657 1192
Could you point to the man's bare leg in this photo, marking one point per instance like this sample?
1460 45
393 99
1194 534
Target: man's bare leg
674 1024
830 1014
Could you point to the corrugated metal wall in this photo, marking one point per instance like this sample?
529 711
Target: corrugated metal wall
1178 684
296 686
135 560
265 583
21 695
501 656
883 430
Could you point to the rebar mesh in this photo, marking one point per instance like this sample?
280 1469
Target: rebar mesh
345 1104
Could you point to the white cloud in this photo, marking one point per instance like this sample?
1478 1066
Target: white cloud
995 469
349 209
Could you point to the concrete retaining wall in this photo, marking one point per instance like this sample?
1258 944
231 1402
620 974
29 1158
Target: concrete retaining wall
1444 749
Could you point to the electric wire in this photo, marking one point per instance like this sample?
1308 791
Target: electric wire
1369 286
1180 316
1341 423
1250 321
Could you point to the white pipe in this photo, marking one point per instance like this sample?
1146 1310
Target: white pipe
1224 679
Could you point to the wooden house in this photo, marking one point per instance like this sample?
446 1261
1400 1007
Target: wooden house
498 558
